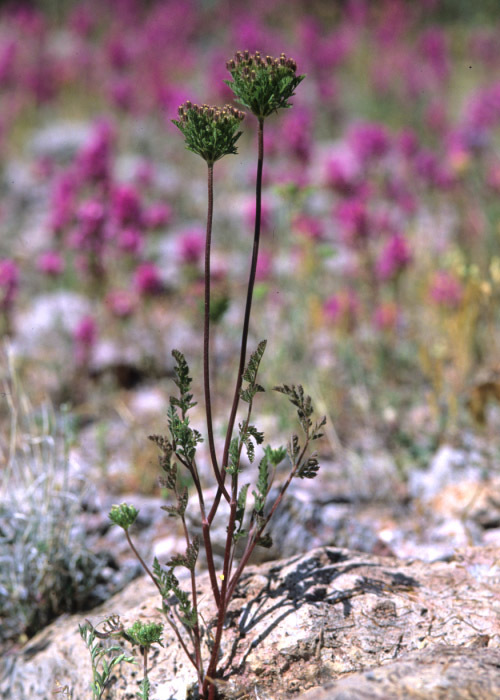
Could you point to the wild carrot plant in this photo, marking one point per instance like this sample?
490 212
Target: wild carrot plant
263 85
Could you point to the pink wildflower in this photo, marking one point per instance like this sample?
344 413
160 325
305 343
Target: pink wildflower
352 215
343 173
130 240
190 245
144 174
298 128
126 207
309 227
394 258
264 266
84 336
94 160
386 316
157 215
408 143
147 279
121 93
369 140
121 303
51 263
89 233
446 290
342 308
266 214
9 280
63 201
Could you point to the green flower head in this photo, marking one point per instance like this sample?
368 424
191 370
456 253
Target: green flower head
146 633
123 515
263 84
211 132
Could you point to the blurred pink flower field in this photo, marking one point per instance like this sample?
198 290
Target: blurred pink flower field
378 280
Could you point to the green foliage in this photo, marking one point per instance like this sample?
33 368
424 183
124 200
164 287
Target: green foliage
169 584
265 540
178 510
309 468
210 132
144 689
275 456
302 401
189 558
183 381
102 666
239 532
305 409
146 633
123 515
262 486
164 579
263 85
46 568
233 467
247 432
293 448
250 374
218 308
184 438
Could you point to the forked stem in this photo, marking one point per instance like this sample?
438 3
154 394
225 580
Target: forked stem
246 320
206 334
209 690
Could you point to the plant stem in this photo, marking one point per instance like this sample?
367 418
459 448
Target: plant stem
142 562
170 622
248 308
206 333
208 689
145 658
196 628
252 540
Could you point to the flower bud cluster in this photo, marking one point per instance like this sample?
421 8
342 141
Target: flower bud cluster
264 84
226 114
211 132
248 63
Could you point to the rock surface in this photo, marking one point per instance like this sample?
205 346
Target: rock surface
297 624
441 673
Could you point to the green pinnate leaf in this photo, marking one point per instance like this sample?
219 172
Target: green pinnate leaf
276 456
293 448
296 396
252 368
250 374
189 558
183 381
240 513
256 434
249 447
184 438
260 494
316 432
233 466
165 579
309 468
265 541
144 689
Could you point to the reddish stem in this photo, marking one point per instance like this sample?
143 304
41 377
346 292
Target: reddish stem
206 335
246 320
